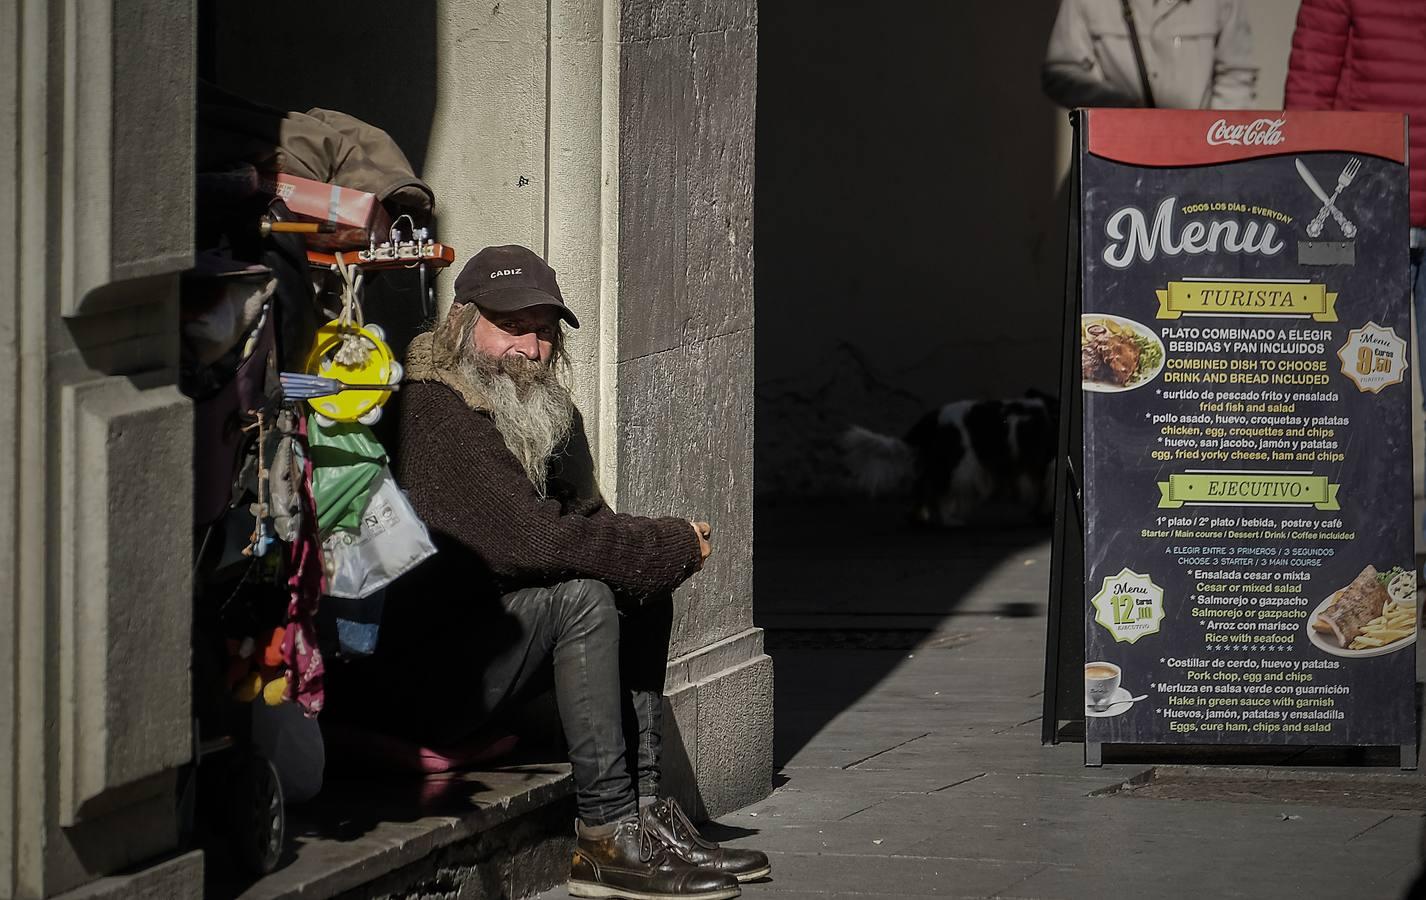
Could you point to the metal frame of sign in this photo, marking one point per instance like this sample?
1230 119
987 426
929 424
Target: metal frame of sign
1065 626
1310 256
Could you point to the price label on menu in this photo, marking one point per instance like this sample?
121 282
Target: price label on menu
1247 481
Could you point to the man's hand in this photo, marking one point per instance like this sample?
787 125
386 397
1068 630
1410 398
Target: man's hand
704 532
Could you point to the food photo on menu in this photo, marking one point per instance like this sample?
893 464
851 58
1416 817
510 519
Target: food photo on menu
1117 354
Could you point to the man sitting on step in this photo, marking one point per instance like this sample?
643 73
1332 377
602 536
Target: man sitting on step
533 583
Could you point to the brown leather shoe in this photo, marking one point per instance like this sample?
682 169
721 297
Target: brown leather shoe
634 864
672 826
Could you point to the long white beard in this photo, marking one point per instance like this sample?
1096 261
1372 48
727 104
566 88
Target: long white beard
531 409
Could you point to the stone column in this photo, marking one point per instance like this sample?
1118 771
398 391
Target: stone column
96 177
684 362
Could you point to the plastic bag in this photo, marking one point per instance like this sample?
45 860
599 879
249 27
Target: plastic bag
346 461
390 541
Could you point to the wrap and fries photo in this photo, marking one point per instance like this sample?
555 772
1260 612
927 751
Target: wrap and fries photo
1373 615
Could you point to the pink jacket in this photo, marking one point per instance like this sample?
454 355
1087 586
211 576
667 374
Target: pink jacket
1365 55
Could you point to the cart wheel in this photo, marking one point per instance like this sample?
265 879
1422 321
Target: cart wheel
259 821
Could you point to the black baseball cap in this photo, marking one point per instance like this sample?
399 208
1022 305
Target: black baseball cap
504 279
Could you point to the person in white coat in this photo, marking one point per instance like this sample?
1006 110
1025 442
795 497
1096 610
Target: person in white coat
1196 54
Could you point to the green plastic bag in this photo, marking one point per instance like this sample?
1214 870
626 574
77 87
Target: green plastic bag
346 460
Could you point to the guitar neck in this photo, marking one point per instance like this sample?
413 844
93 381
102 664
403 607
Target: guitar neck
404 255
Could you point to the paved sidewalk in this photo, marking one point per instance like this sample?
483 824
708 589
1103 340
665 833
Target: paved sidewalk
910 763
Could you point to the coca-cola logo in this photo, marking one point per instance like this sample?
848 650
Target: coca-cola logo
1257 133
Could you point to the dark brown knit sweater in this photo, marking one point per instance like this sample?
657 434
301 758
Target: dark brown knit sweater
494 532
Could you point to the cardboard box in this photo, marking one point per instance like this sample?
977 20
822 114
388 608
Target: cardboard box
318 201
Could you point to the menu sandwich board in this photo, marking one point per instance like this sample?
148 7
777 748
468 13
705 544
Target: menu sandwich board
1243 328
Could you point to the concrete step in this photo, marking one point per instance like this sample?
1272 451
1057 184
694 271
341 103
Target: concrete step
503 833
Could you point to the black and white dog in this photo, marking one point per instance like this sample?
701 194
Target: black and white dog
961 458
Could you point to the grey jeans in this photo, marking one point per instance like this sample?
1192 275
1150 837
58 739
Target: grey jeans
450 666
608 661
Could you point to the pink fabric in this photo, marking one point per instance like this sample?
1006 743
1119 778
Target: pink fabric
368 752
1365 55
305 584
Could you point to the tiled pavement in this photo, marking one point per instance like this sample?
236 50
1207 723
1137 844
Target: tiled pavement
917 770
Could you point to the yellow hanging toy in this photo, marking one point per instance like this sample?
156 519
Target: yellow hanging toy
351 351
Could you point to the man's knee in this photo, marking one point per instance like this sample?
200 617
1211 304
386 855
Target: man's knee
588 602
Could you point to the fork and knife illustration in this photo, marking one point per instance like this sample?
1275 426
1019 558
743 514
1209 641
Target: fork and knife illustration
1329 202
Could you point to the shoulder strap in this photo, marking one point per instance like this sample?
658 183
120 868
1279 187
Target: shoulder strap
1138 54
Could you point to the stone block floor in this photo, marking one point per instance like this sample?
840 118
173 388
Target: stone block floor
909 672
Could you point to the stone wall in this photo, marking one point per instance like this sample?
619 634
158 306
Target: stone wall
95 512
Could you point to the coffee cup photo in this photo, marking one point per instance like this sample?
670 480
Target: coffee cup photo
1101 681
